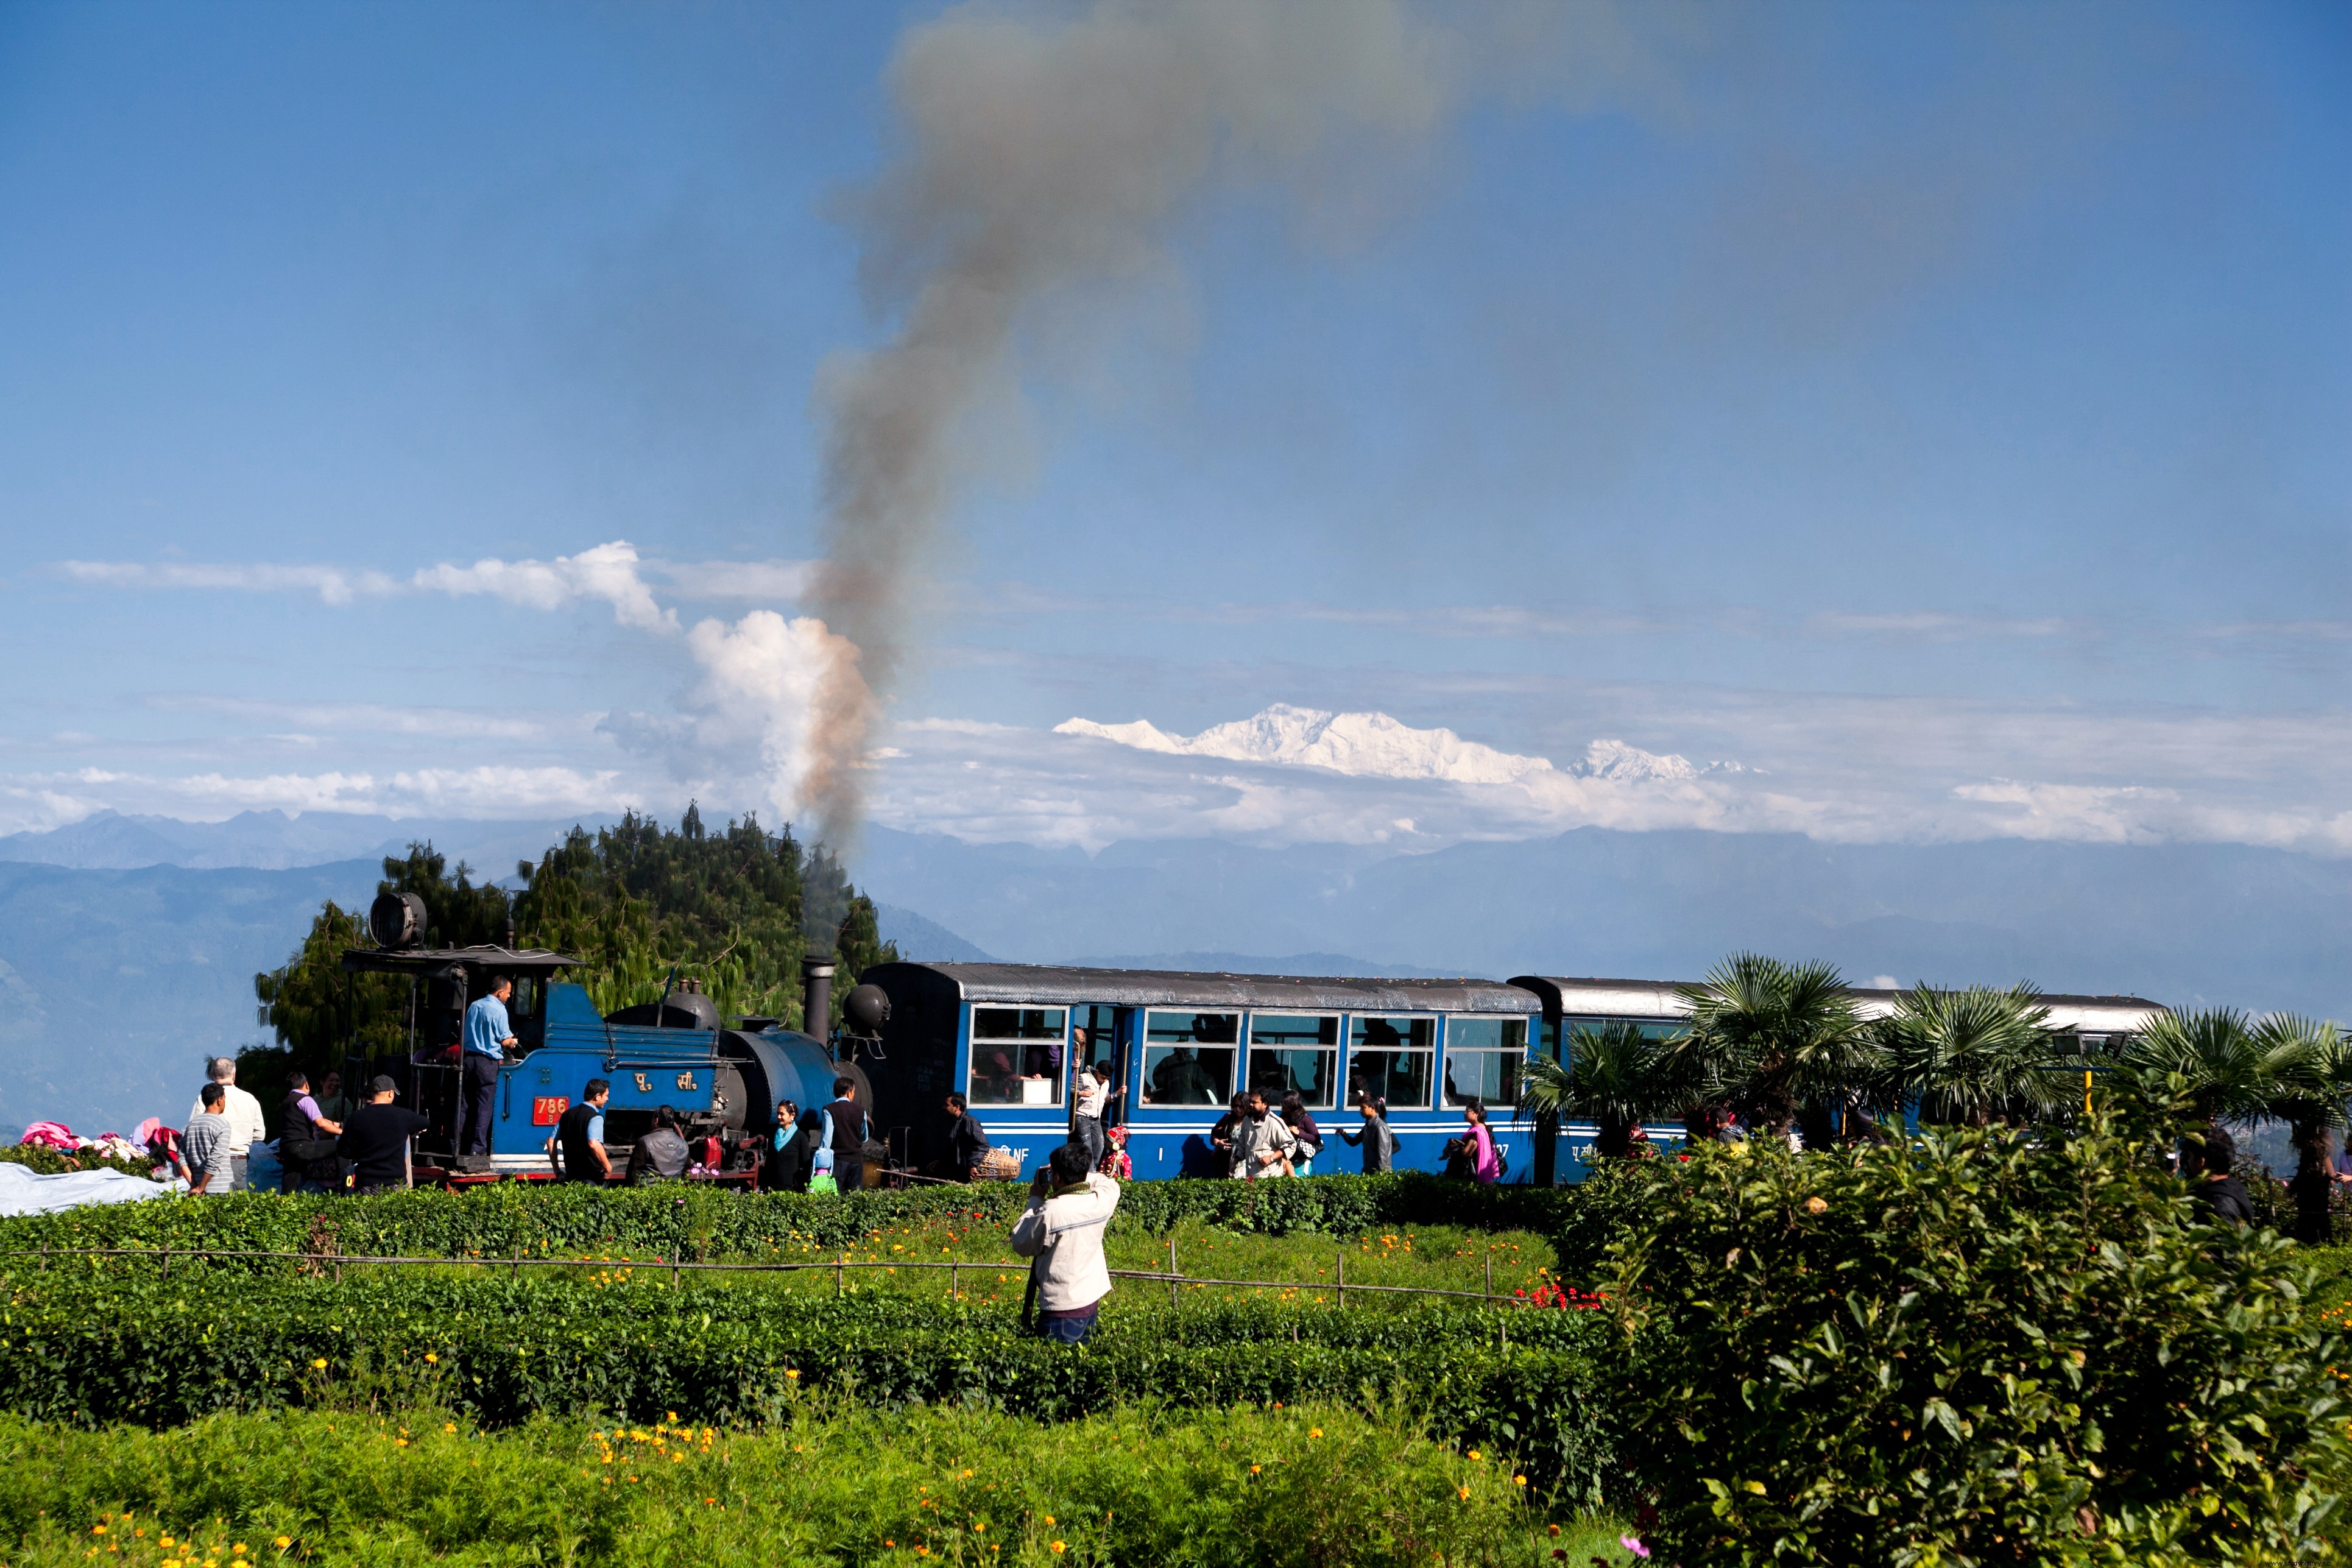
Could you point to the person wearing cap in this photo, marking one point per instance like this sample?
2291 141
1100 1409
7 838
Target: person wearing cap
375 1139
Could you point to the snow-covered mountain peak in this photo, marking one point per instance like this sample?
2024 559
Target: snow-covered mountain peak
1374 745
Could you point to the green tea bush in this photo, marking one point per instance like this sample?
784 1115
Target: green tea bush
696 1222
44 1161
1320 1485
101 1343
1970 1348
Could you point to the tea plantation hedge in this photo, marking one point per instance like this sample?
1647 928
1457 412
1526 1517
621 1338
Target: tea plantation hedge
95 1346
697 1223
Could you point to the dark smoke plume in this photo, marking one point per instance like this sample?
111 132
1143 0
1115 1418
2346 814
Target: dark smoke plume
1047 154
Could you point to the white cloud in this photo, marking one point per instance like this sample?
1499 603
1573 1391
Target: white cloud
334 584
489 793
782 581
606 572
1931 625
373 718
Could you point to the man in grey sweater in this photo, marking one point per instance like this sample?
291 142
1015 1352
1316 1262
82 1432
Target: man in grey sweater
1061 1229
206 1144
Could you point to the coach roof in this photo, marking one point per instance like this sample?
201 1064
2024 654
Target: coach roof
1056 983
1575 996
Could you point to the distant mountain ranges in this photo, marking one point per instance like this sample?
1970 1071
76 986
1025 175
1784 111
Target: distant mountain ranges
271 840
116 979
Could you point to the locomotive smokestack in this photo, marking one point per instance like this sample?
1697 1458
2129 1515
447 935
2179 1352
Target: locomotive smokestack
816 994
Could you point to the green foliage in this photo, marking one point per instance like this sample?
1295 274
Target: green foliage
1975 1055
1974 1348
1769 1037
88 1345
306 998
636 901
725 909
456 912
1319 1486
43 1161
2227 1068
699 1223
1618 1077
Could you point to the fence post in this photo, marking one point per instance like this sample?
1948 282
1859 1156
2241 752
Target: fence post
673 1271
167 1263
840 1275
1490 1271
1171 1270
516 1272
955 1289
1343 1275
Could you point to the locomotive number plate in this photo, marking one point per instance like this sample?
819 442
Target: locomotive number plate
547 1110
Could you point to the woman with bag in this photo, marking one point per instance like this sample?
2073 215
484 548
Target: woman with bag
1302 1126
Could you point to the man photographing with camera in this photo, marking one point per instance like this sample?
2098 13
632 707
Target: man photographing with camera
1070 1206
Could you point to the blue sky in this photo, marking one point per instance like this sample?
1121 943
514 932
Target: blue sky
1940 411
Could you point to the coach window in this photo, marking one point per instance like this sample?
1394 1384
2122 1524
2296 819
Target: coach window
1390 1058
1291 1054
1016 1055
1188 1057
1482 1059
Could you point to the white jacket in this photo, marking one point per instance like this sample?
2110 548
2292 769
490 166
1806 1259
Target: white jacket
1254 1137
1067 1229
243 1114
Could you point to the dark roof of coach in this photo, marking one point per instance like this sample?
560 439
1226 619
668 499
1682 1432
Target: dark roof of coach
1058 984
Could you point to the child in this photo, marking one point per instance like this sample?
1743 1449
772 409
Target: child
1086 1114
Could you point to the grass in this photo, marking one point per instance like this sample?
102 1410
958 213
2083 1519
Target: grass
829 1485
1444 1257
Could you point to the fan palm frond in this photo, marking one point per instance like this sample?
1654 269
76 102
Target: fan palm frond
1773 1032
1973 1054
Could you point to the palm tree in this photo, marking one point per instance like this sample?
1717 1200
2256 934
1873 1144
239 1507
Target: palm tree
2310 1116
1616 1076
1775 1035
1973 1056
2220 1067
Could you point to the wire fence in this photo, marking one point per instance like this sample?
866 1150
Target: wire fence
840 1266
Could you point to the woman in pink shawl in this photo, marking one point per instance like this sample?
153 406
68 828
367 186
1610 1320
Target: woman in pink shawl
1486 1165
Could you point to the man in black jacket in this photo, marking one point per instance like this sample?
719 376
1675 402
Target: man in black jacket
967 1140
375 1139
579 1137
2218 1196
848 1136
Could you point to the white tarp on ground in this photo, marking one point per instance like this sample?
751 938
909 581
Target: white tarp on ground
22 1192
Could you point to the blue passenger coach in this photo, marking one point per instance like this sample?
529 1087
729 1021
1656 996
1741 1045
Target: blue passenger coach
1011 1038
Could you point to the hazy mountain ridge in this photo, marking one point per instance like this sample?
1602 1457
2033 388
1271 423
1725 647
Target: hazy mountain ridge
2179 923
115 984
272 841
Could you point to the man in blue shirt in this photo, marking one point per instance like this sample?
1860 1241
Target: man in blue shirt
488 1035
